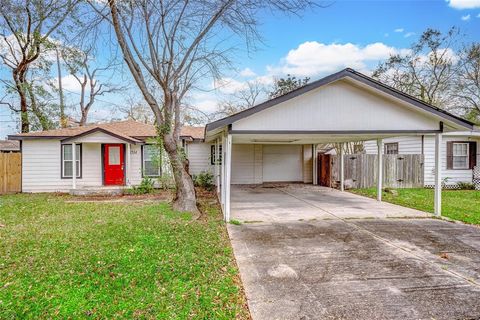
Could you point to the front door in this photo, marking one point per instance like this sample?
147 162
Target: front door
114 164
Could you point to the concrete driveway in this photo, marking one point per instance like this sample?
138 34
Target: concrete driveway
296 202
337 268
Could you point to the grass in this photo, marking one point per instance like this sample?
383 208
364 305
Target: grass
105 260
462 205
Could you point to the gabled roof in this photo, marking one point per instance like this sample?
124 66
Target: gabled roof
345 73
128 130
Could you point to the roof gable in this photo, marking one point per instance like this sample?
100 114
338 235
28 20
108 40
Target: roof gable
344 74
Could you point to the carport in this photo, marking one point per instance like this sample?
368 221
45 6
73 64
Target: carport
276 141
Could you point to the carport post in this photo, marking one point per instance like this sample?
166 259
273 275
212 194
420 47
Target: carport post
342 168
74 166
216 160
228 162
222 178
438 174
314 164
379 169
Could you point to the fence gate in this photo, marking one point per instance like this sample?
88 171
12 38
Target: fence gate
10 172
399 171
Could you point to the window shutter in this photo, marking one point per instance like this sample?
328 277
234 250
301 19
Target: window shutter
449 155
473 154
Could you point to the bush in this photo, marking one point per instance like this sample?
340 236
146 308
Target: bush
146 186
465 185
204 180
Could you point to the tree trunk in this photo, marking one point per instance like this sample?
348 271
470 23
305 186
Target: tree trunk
83 119
185 199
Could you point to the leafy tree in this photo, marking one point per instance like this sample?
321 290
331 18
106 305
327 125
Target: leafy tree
285 85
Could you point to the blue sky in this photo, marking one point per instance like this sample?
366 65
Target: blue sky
354 34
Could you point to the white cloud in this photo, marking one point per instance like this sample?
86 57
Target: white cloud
312 58
466 18
399 30
247 72
409 34
464 4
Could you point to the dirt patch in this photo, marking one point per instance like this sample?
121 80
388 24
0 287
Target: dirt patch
158 195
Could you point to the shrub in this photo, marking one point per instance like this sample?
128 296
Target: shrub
465 185
146 186
204 180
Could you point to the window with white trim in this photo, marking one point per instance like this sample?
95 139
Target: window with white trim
391 148
151 161
461 155
67 160
214 157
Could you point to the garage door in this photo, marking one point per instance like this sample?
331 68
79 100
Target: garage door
282 163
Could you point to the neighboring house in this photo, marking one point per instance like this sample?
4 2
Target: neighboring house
109 154
460 154
7 146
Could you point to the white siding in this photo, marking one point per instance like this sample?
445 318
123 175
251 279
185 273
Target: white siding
244 164
452 175
339 106
136 164
41 167
98 137
406 145
198 154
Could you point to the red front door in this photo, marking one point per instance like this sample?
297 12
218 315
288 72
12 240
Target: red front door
114 164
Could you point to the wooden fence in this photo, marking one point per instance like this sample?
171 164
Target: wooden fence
399 171
10 172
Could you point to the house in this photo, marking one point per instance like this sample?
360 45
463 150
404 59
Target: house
460 154
109 154
275 141
7 146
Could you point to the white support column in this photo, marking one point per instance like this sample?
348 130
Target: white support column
228 171
74 166
222 173
217 169
379 169
438 174
314 164
342 168
127 168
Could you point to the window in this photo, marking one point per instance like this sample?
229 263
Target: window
67 160
391 148
460 155
113 155
151 161
213 156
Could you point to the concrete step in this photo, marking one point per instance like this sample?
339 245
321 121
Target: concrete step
97 191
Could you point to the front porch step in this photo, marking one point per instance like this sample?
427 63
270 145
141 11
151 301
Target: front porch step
97 191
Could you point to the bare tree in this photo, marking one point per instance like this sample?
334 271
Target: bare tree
170 45
467 84
80 65
241 99
136 109
25 28
426 71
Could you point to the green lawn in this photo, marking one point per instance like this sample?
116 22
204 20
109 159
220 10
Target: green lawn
101 260
463 205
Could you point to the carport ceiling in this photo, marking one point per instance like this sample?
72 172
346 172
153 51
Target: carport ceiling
309 138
